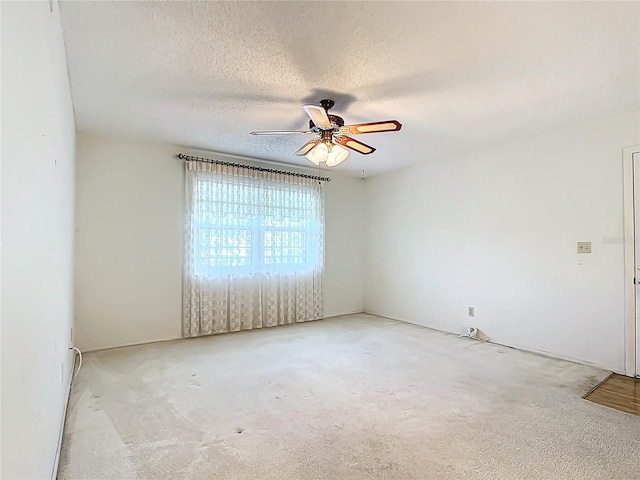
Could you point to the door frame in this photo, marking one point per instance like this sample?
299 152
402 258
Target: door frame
628 241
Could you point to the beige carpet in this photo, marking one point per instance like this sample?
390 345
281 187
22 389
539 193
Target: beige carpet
356 397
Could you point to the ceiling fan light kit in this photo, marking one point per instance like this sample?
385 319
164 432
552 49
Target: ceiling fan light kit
329 153
332 133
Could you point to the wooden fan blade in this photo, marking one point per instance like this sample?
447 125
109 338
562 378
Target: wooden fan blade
353 144
306 148
281 132
373 127
318 116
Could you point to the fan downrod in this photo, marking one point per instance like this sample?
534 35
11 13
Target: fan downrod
326 104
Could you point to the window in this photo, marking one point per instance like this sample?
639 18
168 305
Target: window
244 226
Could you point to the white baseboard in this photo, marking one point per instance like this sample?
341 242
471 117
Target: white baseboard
519 347
54 471
563 357
128 344
170 339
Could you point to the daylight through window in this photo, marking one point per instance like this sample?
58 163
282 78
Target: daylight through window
247 226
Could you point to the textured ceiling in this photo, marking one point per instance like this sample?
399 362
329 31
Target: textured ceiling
458 76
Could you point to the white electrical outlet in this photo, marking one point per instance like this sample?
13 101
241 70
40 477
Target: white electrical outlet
471 311
584 247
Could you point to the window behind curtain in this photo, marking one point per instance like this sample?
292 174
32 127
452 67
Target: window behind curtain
244 226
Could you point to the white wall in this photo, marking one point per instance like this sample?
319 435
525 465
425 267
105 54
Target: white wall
128 243
37 237
497 229
129 214
344 244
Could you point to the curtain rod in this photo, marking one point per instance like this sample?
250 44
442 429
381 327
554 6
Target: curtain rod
182 156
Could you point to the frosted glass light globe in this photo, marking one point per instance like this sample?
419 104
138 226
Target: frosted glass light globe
337 155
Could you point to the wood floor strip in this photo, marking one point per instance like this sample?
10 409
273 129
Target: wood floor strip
619 392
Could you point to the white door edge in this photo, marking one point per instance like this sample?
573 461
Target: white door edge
630 350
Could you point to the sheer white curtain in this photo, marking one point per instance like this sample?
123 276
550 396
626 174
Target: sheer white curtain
254 249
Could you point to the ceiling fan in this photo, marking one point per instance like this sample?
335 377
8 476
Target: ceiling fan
332 133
